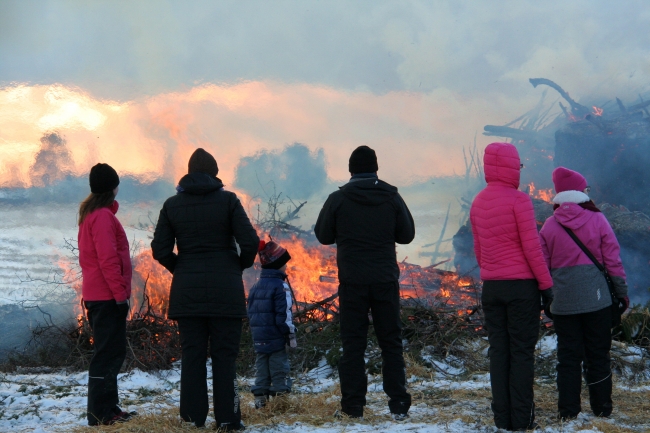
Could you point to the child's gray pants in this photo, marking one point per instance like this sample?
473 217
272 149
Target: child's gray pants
272 373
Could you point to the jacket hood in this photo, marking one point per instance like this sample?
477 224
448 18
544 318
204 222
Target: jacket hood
369 192
502 164
199 184
572 215
114 207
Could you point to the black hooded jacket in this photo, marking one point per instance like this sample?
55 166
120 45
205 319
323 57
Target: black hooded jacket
365 219
204 221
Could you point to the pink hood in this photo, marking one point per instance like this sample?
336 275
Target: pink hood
592 228
506 242
572 215
502 164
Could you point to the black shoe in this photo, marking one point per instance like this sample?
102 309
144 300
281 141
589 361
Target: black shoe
399 416
565 417
121 417
226 426
354 413
531 427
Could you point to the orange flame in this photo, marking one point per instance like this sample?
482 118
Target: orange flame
542 194
597 111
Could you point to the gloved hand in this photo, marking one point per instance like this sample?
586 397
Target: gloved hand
623 304
547 300
123 306
292 341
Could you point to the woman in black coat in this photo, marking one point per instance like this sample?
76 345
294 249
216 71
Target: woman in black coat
207 298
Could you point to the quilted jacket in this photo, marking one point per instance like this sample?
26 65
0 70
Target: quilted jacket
506 242
104 256
269 311
206 223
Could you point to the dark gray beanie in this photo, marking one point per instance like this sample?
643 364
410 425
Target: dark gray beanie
103 178
202 162
363 160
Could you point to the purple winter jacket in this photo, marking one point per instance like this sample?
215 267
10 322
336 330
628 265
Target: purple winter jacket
579 287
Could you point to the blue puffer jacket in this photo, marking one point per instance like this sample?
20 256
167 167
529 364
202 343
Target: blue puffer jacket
269 311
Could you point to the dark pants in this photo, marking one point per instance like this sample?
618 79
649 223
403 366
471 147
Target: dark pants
272 374
584 338
224 335
512 311
108 323
355 303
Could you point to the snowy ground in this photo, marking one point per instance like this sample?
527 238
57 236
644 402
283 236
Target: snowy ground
55 402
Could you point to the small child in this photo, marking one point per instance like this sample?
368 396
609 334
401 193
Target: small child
269 313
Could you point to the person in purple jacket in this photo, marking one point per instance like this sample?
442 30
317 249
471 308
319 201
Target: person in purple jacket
581 308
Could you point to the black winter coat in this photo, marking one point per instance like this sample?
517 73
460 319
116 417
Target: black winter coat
204 221
365 218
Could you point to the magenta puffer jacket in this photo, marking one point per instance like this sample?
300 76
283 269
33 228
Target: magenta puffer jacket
506 242
104 257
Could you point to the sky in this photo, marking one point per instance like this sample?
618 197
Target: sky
141 84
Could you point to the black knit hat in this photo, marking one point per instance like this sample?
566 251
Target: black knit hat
363 160
103 178
202 162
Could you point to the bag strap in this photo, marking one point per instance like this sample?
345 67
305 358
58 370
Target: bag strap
584 249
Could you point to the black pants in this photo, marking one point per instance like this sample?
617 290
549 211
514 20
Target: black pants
224 335
512 311
584 338
108 323
355 303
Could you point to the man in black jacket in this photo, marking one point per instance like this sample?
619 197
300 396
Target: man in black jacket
365 219
207 295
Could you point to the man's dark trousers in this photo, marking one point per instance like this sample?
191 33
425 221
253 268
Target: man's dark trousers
512 311
587 337
382 300
107 320
224 335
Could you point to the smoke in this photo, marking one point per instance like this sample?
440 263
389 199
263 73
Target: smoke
52 161
295 171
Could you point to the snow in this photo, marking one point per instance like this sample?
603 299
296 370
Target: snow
56 402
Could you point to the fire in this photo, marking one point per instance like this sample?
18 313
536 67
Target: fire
312 270
597 111
149 274
542 194
312 273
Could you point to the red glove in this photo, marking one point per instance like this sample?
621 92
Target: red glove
623 304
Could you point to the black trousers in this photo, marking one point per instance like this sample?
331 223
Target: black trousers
224 335
512 312
356 301
584 338
108 323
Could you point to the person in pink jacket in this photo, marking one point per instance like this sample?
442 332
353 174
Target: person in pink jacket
106 271
514 275
581 309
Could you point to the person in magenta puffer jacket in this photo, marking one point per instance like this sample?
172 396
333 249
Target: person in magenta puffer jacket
514 275
106 271
581 309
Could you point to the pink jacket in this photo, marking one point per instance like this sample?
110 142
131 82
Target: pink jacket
506 242
592 228
104 257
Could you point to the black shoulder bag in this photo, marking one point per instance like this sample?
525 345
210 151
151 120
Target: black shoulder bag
616 312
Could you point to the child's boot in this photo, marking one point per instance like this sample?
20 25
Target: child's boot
260 401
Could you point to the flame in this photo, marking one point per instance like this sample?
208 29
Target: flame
597 111
542 194
150 275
